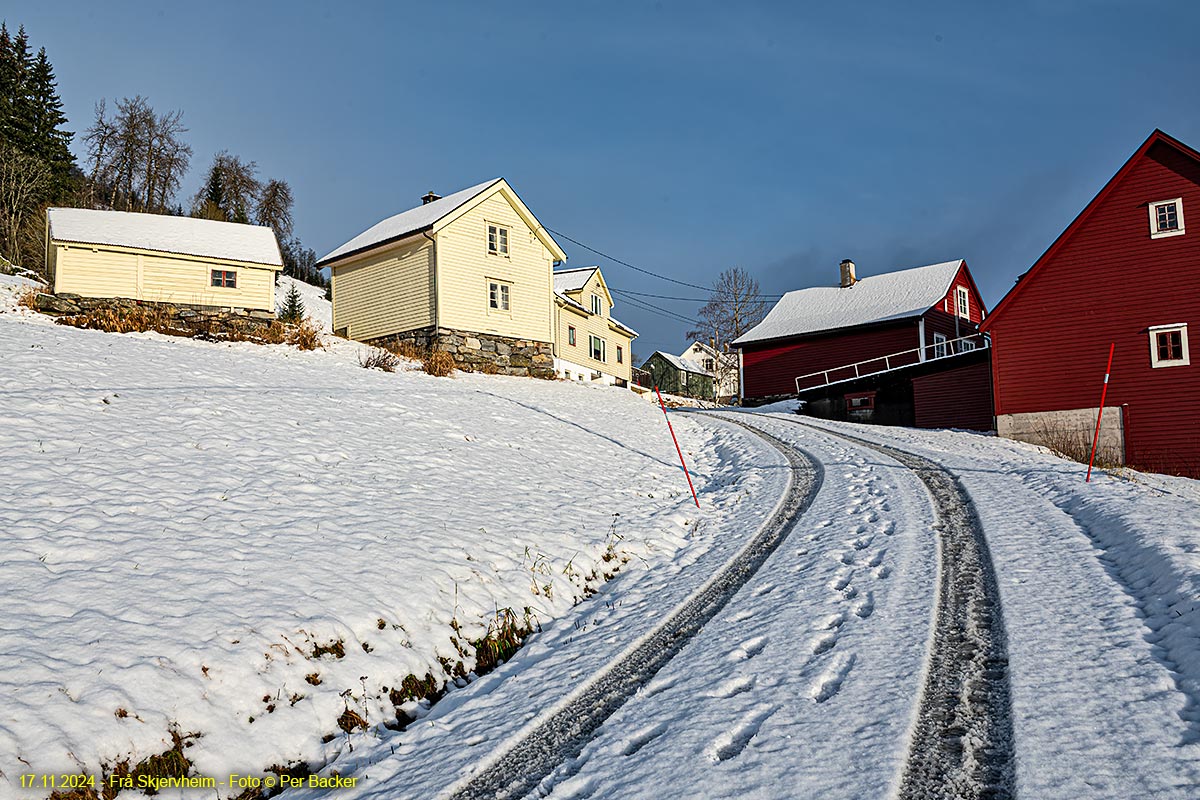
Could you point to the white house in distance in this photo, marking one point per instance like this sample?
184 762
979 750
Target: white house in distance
590 344
163 259
722 366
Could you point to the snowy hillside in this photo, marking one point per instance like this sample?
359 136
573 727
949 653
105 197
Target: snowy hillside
246 542
316 308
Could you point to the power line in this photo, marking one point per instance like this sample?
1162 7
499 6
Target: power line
655 274
627 264
644 306
697 299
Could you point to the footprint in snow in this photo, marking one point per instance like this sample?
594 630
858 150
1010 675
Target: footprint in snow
877 557
660 685
731 743
830 681
841 581
734 687
823 643
834 621
766 588
742 616
846 557
748 649
642 738
865 606
889 527
883 572
862 543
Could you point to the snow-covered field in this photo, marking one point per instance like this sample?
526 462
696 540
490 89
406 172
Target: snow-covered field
184 523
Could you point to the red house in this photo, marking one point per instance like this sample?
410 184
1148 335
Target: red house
901 348
1126 272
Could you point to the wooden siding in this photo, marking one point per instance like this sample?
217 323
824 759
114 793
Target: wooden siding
159 277
672 380
464 268
771 370
176 280
386 291
1107 282
96 273
955 398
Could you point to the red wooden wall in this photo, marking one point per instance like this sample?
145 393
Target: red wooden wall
955 398
770 370
1108 281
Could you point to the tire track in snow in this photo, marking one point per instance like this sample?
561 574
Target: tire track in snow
563 735
962 738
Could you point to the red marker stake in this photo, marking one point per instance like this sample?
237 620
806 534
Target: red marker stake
1100 415
671 428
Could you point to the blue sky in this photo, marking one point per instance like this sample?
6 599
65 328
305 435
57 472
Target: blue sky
685 138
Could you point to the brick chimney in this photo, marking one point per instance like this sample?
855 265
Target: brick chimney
848 278
429 197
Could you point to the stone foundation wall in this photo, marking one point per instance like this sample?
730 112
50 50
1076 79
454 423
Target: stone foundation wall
479 352
1069 432
200 319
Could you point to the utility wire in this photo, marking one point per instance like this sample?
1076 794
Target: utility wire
654 274
696 299
644 306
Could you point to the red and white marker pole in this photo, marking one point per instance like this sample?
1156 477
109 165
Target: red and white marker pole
671 428
1100 414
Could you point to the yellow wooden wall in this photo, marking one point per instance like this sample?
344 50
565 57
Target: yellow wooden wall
592 324
464 268
159 277
386 291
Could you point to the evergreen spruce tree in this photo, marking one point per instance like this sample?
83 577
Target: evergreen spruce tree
293 306
18 128
49 142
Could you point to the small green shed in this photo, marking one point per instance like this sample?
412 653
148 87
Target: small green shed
680 376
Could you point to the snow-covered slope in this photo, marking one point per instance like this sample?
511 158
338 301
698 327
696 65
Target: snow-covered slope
185 523
317 309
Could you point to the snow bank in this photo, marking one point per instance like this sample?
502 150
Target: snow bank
317 309
186 523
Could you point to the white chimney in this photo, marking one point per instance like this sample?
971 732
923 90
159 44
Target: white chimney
848 278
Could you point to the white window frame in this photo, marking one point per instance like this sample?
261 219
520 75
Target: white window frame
940 350
499 296
593 340
1155 331
1155 233
497 239
962 302
597 305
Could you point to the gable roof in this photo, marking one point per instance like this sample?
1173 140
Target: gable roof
685 364
1023 279
875 298
572 280
229 241
425 217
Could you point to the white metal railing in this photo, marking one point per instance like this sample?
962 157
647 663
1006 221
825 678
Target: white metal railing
944 349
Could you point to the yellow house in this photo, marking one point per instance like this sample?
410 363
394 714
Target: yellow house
590 344
178 260
469 273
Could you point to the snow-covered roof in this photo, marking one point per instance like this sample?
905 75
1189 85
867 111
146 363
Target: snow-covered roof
623 326
207 238
415 219
572 280
685 364
876 298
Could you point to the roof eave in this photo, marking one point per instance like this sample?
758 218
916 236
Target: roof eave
328 261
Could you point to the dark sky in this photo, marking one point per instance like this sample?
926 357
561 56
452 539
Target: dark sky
685 138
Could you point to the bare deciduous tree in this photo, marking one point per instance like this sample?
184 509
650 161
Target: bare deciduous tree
230 191
137 157
23 180
734 307
275 208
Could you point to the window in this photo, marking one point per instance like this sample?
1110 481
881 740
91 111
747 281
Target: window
497 240
225 278
709 364
571 335
497 296
620 355
596 348
939 345
965 345
1169 346
597 304
1166 218
962 302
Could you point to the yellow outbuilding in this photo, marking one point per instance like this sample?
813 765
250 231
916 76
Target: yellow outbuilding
163 259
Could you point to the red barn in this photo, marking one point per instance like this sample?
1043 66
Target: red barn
901 348
1125 272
